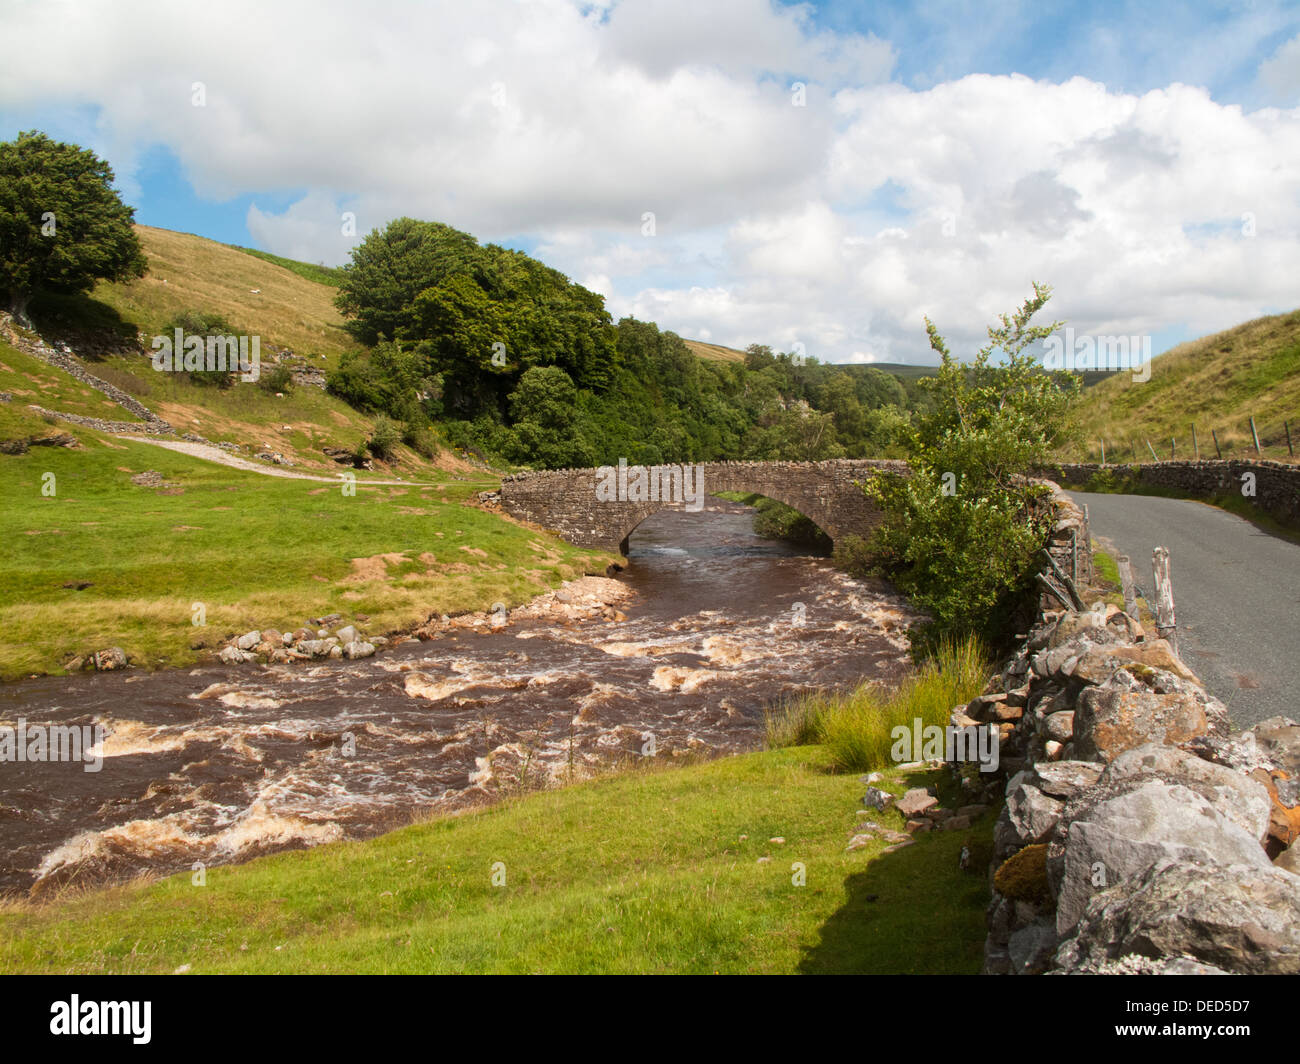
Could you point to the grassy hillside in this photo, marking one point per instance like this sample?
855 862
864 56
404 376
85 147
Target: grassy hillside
903 370
188 272
1216 383
327 275
719 353
647 871
714 352
288 304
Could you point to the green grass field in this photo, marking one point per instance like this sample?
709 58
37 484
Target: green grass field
257 551
330 275
651 871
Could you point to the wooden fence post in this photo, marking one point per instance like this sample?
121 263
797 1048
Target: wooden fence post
1217 449
1254 434
1287 425
1103 451
1154 457
1127 584
1196 447
1166 625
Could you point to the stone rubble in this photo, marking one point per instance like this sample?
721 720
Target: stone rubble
585 599
1137 833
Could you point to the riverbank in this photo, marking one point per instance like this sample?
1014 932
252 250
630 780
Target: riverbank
677 659
736 865
116 543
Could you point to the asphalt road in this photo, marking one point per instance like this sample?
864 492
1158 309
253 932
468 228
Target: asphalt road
1236 595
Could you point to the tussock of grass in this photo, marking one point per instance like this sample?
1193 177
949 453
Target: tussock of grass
855 727
1107 570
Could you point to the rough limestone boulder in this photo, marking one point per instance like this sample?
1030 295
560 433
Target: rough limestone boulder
1241 799
1028 817
1117 839
1099 663
1236 918
1031 948
110 659
234 656
915 802
1065 779
1123 715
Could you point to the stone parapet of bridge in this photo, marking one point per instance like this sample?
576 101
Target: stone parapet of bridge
601 507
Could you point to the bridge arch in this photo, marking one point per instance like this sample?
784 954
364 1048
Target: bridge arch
601 507
638 517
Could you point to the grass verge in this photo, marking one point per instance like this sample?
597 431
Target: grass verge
654 871
855 727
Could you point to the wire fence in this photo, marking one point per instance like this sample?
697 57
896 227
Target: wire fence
1248 440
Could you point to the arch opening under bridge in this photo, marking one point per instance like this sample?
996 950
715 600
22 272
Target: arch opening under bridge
601 507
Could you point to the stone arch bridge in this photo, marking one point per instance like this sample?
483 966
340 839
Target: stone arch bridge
601 507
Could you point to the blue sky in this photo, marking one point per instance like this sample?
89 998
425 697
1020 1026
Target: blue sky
945 155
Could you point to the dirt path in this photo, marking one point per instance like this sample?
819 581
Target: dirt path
216 454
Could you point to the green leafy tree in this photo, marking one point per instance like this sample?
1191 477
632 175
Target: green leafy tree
62 225
390 378
961 532
544 410
876 388
392 266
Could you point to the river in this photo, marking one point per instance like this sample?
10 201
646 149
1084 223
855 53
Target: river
222 763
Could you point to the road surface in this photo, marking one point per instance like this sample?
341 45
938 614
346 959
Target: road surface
1236 595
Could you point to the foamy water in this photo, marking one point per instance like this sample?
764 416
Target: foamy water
222 763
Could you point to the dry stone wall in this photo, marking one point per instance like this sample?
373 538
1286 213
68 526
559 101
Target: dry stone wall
65 360
1275 485
1138 834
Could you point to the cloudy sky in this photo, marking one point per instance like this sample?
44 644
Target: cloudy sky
737 170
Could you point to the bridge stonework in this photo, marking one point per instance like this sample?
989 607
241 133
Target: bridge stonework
828 493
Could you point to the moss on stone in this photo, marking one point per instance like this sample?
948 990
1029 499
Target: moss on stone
1023 876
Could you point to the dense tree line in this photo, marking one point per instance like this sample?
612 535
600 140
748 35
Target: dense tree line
510 358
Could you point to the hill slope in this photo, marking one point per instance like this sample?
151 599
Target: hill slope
714 352
1216 383
188 272
278 300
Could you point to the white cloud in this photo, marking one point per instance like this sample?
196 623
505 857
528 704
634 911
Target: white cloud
314 229
839 224
1280 74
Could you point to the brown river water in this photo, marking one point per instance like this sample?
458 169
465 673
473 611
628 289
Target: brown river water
222 763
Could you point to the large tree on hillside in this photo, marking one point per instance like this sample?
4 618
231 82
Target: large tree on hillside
481 315
62 225
392 266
